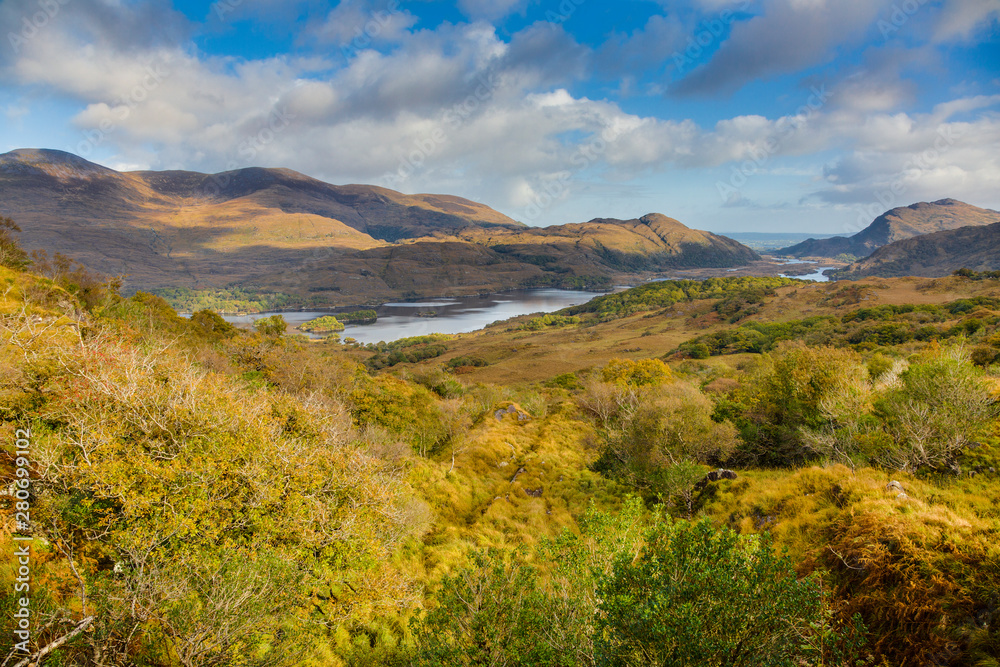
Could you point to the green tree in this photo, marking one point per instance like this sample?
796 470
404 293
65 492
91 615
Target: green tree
698 597
784 395
940 405
274 325
11 254
491 613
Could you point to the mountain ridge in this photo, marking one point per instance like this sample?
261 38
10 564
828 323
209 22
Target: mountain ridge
278 229
895 225
933 255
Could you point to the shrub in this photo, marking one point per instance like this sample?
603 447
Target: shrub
626 372
274 325
697 596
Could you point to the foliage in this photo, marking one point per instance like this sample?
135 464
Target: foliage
698 596
549 320
194 512
325 324
92 289
358 317
863 329
631 373
464 360
666 293
785 394
274 325
234 299
977 275
11 254
212 324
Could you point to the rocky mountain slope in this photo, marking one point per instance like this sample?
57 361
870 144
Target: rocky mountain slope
933 255
895 225
276 229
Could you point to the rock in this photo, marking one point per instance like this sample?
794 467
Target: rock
519 471
534 493
521 417
721 473
511 409
894 486
902 496
499 414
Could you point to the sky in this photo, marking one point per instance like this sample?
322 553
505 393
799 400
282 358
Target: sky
809 116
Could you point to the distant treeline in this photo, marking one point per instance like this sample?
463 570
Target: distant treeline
666 293
863 329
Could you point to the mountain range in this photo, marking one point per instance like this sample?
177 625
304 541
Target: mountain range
933 255
895 225
277 229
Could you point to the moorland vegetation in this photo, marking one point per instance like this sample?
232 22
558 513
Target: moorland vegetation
824 494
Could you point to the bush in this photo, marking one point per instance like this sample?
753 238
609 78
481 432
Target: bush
697 596
274 325
11 254
626 372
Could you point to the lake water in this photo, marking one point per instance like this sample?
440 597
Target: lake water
460 314
816 275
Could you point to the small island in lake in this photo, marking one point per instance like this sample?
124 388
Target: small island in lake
358 317
325 324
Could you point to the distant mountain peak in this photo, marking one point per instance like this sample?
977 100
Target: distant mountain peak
59 164
897 224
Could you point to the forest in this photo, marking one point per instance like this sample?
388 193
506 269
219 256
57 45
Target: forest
818 488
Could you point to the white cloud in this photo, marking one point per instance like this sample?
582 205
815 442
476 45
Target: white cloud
959 19
458 109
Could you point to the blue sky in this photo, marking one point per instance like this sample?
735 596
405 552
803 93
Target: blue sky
730 115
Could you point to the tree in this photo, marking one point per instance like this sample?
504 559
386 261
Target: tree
696 596
11 254
656 437
939 406
490 613
785 395
274 325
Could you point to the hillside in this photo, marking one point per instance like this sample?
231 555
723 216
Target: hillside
275 230
933 255
322 504
895 225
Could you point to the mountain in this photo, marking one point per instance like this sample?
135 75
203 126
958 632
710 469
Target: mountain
895 225
279 230
933 255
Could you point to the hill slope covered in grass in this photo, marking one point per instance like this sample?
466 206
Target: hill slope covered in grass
280 232
203 495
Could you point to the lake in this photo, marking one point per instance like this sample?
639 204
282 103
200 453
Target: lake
460 314
816 275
